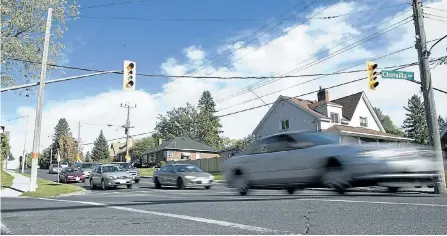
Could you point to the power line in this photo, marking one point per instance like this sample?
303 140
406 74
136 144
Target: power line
258 85
437 9
308 93
331 55
232 20
16 118
113 4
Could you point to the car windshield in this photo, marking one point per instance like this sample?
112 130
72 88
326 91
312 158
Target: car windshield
86 166
106 169
72 170
188 168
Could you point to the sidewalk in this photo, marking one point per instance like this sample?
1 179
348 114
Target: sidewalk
19 185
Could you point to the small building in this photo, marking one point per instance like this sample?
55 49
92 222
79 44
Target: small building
179 149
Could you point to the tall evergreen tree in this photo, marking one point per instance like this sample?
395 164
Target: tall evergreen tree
415 123
88 157
64 141
209 127
101 148
387 123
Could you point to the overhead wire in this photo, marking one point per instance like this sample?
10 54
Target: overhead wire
318 61
113 4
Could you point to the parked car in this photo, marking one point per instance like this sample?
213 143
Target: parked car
109 175
182 176
64 164
296 160
86 168
71 174
133 171
53 169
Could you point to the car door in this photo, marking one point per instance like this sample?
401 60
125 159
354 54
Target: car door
62 174
96 175
161 174
169 175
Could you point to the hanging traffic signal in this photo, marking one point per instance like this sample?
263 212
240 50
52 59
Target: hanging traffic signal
372 75
129 76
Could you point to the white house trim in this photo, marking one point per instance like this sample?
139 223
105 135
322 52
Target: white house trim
371 110
283 99
376 135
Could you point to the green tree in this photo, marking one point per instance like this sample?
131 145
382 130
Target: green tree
142 145
64 141
415 123
4 147
23 31
209 127
100 148
179 122
387 123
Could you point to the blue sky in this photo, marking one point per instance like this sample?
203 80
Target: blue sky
104 44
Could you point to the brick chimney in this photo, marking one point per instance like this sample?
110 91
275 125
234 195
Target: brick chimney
323 95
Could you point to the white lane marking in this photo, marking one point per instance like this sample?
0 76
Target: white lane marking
373 202
177 216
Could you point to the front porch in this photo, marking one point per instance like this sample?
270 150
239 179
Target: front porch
358 135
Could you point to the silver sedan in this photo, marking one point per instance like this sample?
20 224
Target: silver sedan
182 176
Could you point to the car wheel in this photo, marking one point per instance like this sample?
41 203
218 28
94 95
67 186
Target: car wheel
66 180
207 187
393 189
290 190
241 184
335 177
103 185
129 186
157 183
137 181
91 185
180 184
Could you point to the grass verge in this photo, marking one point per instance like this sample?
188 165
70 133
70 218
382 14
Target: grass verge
146 172
6 179
218 176
52 189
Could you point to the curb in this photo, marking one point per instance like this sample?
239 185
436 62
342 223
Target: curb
373 190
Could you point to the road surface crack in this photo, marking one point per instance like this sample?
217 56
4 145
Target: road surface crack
307 223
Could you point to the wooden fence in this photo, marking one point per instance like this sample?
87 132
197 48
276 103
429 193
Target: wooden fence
211 165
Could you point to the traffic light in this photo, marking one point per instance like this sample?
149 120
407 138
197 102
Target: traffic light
372 75
129 76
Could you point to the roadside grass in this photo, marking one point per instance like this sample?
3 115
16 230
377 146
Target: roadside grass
218 176
146 172
6 179
47 188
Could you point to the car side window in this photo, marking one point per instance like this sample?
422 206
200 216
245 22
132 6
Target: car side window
168 168
163 168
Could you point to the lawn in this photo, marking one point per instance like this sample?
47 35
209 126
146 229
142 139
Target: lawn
146 172
6 179
218 176
52 189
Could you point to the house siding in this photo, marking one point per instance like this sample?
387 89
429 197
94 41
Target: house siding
298 119
362 110
177 155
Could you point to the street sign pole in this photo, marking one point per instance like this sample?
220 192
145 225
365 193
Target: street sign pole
38 123
58 166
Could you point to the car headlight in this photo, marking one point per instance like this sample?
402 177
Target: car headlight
70 176
212 177
190 177
111 177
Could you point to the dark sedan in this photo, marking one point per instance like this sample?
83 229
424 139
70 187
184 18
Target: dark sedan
71 174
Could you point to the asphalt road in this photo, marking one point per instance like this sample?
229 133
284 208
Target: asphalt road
145 210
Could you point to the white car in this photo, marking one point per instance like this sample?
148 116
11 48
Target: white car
296 160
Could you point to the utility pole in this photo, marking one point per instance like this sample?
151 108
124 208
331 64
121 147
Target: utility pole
24 145
427 90
37 129
126 129
79 141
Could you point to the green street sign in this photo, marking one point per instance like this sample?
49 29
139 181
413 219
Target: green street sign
394 74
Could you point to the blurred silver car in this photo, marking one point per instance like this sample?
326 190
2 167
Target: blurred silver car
182 176
109 175
54 169
295 160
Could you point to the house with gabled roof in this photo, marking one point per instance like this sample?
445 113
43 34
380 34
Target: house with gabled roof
352 117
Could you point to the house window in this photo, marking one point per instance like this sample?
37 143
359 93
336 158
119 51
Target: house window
285 124
170 153
363 121
335 117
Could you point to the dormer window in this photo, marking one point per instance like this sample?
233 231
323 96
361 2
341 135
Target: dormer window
363 121
335 117
285 124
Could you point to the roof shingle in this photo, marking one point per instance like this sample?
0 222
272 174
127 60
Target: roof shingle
338 128
349 104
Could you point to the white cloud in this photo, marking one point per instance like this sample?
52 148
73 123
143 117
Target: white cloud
302 43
